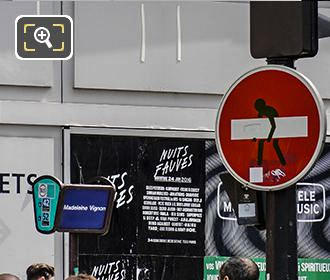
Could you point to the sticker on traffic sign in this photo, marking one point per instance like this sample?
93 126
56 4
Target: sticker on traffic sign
270 127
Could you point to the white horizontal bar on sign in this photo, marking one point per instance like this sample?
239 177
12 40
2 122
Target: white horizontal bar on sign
286 127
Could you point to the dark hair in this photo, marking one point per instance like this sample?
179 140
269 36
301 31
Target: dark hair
81 276
8 276
239 269
37 270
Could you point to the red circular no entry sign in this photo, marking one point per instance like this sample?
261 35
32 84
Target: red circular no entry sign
270 127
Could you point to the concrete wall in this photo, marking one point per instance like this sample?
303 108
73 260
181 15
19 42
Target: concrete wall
107 78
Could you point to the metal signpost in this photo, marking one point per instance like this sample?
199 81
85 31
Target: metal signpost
270 130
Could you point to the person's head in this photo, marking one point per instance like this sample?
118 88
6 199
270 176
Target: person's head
40 271
239 269
7 276
81 276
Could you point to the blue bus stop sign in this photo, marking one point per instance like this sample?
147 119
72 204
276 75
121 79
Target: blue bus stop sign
46 190
85 208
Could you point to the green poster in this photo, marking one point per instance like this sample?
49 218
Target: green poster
308 269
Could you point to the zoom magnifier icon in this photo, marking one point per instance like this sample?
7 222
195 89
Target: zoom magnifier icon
42 35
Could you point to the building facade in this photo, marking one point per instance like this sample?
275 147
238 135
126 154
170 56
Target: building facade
137 100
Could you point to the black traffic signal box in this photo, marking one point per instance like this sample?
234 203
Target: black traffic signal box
283 29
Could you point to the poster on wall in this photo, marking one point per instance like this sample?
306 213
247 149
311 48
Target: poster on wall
114 158
23 160
109 267
172 197
142 267
170 202
308 269
224 237
160 192
158 207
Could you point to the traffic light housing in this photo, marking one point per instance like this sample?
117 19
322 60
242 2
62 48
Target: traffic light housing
283 29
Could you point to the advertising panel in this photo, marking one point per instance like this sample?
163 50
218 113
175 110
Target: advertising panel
308 269
23 160
172 215
224 237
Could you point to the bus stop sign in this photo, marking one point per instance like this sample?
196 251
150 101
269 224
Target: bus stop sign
270 128
46 191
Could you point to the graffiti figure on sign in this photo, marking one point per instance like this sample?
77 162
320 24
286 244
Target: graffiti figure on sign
271 113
